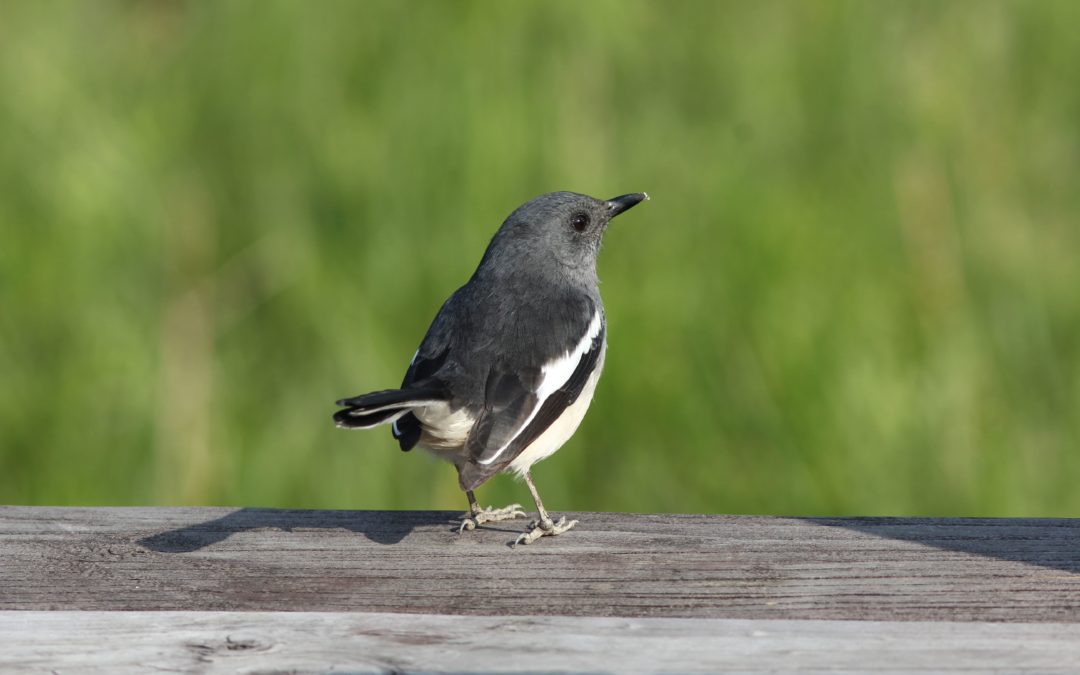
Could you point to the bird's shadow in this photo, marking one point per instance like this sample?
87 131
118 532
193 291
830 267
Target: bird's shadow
381 527
1054 543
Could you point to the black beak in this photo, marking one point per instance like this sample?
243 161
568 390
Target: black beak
617 205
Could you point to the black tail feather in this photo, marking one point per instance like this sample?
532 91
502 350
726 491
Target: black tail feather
386 397
351 418
407 431
379 407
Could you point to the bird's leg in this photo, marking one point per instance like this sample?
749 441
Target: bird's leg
479 516
544 526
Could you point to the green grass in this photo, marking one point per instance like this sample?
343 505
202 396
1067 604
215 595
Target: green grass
856 289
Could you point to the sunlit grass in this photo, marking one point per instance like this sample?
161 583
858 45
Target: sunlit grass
855 289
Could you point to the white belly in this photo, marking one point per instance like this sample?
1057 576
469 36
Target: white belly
561 429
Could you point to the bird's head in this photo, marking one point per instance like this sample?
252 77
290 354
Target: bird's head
559 229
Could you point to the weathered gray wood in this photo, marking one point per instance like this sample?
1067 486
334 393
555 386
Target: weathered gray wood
614 565
295 642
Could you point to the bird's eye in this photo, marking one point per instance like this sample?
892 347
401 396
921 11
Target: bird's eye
580 221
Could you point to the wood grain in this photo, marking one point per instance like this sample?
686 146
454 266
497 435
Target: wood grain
611 565
300 642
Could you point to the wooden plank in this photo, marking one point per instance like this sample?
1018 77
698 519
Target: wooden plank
295 642
614 565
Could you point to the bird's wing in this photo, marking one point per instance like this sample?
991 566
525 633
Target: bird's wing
521 404
426 363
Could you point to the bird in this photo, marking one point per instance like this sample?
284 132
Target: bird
509 365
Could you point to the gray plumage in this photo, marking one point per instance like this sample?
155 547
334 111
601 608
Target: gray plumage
511 350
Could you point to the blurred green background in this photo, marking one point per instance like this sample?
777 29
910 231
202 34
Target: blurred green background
855 290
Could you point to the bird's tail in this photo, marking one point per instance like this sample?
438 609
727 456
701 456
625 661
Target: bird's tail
383 407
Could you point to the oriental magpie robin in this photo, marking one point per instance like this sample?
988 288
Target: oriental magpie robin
509 365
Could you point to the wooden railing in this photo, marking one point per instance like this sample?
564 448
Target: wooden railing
143 589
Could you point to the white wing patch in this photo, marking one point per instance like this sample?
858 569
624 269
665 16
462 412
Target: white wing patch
562 428
554 374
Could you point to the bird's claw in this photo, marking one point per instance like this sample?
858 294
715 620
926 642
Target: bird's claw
490 515
544 528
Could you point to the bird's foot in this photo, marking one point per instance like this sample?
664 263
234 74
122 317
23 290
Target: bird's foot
490 515
544 528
